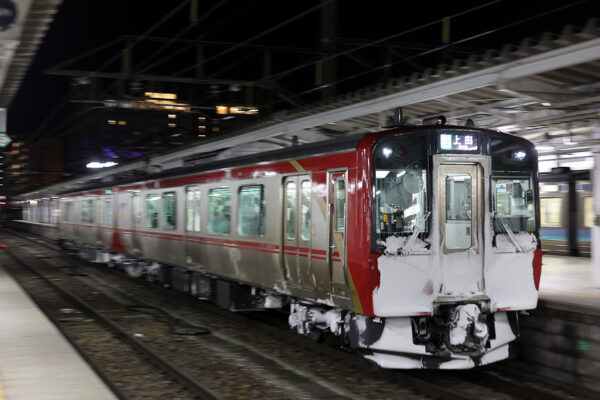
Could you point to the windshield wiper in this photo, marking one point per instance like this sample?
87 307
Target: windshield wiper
510 233
410 243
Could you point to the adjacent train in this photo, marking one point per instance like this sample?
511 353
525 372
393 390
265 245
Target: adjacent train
417 246
567 214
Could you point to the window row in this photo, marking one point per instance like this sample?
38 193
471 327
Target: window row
551 211
90 212
251 210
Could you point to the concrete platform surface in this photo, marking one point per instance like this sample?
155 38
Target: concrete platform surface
568 281
36 361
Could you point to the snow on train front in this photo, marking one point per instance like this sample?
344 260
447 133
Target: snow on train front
455 241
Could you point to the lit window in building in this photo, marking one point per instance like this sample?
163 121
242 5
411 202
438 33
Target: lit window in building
112 122
172 116
172 125
201 119
215 129
201 128
164 96
122 123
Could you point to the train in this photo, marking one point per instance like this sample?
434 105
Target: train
567 215
417 246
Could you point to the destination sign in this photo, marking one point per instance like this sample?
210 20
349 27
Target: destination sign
458 142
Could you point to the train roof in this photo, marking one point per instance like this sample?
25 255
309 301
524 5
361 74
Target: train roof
336 145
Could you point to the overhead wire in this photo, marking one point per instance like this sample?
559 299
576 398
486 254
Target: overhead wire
151 29
438 48
261 34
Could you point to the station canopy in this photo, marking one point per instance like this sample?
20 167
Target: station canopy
546 90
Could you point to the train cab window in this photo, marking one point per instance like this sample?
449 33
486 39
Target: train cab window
588 212
251 211
193 210
339 207
108 212
512 185
169 206
152 210
290 209
219 211
306 188
550 211
400 186
87 211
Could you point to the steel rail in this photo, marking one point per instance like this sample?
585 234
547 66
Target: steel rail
181 376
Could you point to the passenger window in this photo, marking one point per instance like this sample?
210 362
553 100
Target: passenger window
87 212
251 211
290 211
169 203
66 212
152 210
193 210
137 211
306 192
588 212
551 210
340 201
219 211
108 212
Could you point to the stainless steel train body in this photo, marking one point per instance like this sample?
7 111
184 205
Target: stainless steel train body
566 205
417 246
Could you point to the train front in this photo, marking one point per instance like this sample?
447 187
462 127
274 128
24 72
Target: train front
455 241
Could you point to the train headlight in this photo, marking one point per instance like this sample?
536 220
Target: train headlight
520 155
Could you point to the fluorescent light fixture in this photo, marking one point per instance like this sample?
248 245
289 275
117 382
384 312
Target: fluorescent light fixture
549 188
381 173
387 151
546 104
96 164
378 192
508 128
544 148
399 174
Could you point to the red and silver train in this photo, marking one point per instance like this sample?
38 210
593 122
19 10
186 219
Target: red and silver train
416 246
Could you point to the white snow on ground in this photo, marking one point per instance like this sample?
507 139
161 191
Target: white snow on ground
526 240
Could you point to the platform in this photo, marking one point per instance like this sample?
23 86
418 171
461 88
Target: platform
567 281
36 361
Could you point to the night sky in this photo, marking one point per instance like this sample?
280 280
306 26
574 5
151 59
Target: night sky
83 25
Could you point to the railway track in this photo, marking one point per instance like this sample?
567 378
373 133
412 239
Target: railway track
111 351
289 362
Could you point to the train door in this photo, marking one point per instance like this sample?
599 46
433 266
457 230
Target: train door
136 223
461 222
337 198
297 231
